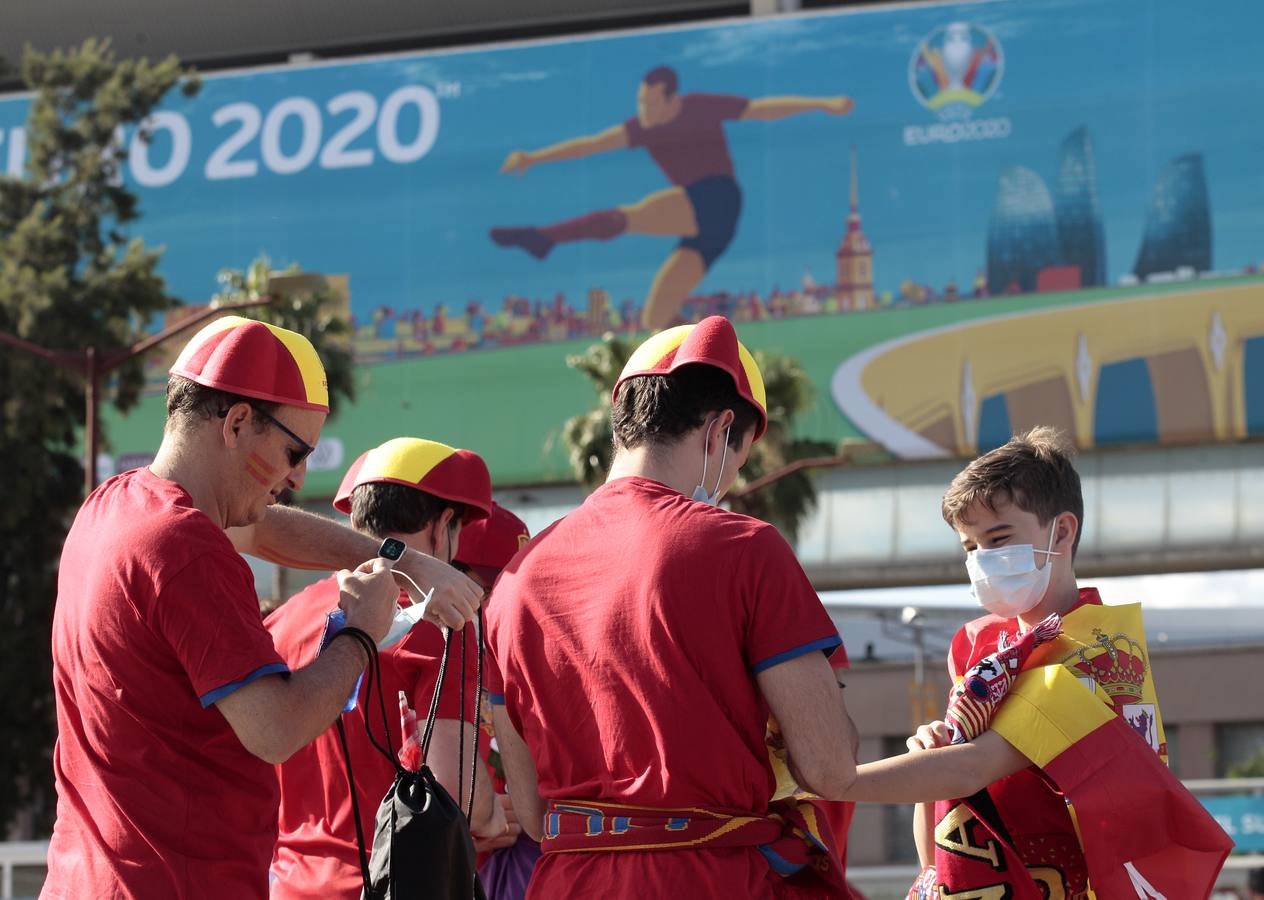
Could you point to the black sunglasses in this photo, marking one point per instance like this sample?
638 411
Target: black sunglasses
296 454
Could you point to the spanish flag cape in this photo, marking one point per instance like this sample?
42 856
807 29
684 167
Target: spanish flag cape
1084 711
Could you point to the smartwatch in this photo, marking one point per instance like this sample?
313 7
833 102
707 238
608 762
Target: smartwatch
391 549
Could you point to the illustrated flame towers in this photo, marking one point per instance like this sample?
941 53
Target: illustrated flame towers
1078 212
1178 225
1036 238
855 255
1023 236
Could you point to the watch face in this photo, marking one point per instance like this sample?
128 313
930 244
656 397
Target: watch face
391 549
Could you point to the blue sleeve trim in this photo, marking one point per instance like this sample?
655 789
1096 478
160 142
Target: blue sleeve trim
495 699
826 643
221 692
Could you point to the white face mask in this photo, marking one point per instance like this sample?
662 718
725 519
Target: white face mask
700 492
1005 580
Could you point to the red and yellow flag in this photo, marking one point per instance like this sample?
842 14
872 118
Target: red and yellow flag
1085 713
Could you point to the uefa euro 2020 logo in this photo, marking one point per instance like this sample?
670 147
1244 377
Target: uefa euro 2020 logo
955 69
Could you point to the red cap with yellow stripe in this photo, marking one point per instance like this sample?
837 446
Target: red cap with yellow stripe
487 546
258 360
712 342
460 476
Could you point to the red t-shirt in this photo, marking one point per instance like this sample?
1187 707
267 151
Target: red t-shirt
1034 815
624 643
156 619
691 146
316 853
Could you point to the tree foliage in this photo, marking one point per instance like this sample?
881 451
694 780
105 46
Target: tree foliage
1252 767
785 503
788 501
588 436
70 278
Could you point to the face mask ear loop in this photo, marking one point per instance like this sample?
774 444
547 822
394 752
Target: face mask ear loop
703 482
723 459
1053 534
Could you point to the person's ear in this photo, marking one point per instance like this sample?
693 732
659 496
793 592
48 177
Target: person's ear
719 431
237 418
1067 526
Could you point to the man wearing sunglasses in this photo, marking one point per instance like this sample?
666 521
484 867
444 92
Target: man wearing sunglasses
172 704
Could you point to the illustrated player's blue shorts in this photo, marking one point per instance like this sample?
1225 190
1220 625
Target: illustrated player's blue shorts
717 205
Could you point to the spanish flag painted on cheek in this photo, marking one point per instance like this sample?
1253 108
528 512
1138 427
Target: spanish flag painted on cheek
1086 714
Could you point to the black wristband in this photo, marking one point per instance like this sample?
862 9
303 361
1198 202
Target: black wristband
361 637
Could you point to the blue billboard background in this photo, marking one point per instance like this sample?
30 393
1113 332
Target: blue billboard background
1028 157
1149 80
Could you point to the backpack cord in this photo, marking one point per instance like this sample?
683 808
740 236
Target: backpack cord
460 739
373 666
478 712
361 846
433 714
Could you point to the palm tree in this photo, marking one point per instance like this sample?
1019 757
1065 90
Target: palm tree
588 436
785 502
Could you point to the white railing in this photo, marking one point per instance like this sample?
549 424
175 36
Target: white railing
15 854
19 853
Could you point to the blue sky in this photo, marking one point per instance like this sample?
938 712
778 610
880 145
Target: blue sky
1151 80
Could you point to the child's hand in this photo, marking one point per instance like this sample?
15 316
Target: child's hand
931 735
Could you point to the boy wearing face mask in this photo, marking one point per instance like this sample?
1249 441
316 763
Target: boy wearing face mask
1063 791
639 645
421 493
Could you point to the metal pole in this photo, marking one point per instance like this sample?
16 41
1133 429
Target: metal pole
91 439
919 675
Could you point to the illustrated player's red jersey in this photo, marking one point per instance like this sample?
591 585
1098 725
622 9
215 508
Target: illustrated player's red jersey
691 146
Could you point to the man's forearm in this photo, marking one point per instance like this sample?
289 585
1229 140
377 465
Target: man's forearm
520 774
943 773
301 540
274 716
451 768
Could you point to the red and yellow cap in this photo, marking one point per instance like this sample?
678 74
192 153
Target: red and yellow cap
255 359
446 472
712 342
487 545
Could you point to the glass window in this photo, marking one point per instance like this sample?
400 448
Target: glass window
1240 749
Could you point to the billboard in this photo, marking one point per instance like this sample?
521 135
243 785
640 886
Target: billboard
962 219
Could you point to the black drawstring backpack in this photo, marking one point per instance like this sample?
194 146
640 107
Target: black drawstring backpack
422 847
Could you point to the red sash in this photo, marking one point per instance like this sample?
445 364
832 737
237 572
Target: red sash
793 838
